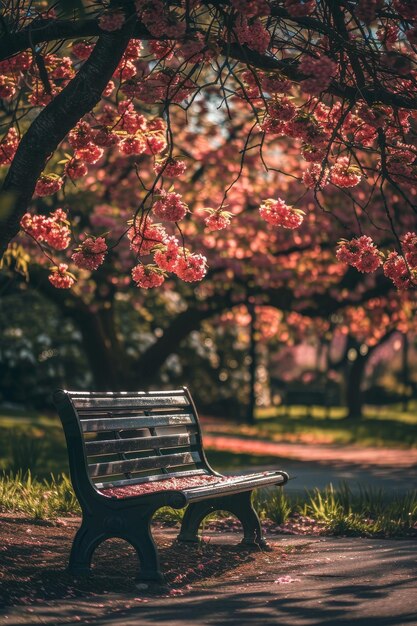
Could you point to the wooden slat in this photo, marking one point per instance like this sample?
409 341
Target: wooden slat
119 394
149 479
144 402
130 412
242 483
131 423
148 463
134 444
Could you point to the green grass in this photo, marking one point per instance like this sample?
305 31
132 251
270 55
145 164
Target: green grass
366 513
32 441
385 427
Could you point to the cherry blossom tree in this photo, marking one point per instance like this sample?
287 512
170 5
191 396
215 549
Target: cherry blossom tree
334 81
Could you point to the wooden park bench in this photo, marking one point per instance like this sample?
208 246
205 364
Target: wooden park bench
132 453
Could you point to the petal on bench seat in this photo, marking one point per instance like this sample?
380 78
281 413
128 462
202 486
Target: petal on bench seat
187 483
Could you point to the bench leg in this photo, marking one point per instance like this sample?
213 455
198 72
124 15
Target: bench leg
239 504
85 542
141 539
193 516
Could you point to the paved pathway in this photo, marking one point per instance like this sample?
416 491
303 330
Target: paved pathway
317 465
324 581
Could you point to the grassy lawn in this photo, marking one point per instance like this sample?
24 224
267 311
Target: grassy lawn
385 427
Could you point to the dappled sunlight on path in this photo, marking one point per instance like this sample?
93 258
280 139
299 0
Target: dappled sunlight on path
386 457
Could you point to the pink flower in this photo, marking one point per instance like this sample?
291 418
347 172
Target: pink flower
166 256
145 236
48 184
395 268
90 154
60 277
170 206
106 138
217 220
111 21
91 253
82 49
409 244
360 253
191 267
343 174
171 167
134 144
314 176
277 213
8 146
81 135
147 276
76 169
320 72
7 87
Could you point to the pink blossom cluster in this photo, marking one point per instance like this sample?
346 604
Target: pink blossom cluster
170 206
159 20
48 184
111 21
60 277
217 219
53 230
91 253
253 34
402 270
82 49
278 213
361 253
170 167
315 176
7 87
343 174
319 71
8 146
396 268
145 235
147 276
75 169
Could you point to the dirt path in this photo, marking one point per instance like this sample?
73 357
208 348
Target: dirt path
303 581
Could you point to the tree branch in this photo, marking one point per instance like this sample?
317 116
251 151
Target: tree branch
53 124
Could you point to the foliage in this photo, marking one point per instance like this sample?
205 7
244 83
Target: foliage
366 512
39 499
337 511
39 350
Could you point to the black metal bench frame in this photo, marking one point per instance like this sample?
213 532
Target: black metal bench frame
121 417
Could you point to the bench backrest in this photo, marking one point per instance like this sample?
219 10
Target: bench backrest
126 438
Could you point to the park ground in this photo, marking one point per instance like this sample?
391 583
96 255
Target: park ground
310 577
303 581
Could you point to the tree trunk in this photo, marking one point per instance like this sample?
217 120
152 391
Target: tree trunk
52 125
250 414
354 394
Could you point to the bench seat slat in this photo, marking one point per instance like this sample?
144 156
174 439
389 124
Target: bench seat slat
148 463
132 423
134 444
130 401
